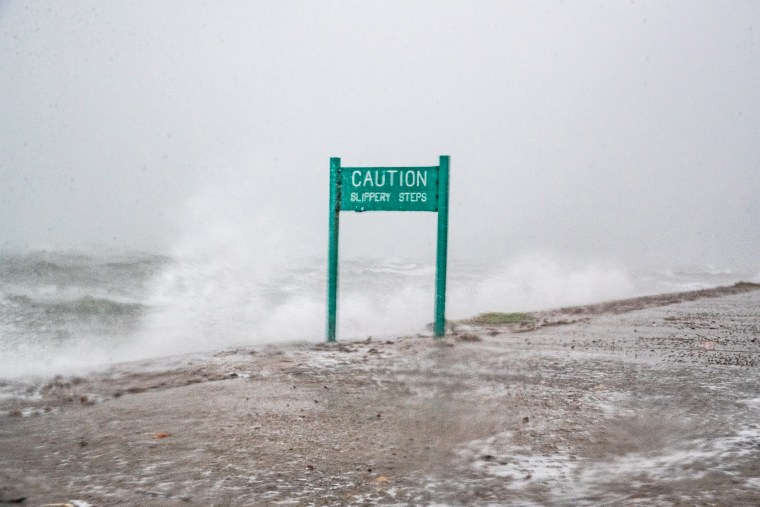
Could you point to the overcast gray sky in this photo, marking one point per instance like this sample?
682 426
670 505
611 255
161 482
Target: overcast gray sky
626 130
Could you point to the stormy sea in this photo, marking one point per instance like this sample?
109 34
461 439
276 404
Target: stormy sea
70 311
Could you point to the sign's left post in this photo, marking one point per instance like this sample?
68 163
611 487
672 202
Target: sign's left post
332 250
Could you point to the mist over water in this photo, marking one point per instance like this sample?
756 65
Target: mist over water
71 312
599 150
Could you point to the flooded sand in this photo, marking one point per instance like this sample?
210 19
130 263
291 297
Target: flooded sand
650 401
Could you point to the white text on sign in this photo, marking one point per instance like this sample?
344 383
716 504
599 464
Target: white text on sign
389 177
386 197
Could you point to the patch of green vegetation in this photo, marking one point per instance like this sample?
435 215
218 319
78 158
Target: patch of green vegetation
495 318
747 285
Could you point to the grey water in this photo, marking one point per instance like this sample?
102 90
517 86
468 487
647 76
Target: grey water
67 311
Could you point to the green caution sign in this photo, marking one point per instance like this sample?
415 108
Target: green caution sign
389 189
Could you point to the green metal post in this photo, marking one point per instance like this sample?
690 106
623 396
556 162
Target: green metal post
441 251
332 253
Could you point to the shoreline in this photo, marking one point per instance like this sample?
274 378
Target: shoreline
645 399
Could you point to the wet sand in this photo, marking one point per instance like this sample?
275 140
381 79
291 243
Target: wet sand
648 401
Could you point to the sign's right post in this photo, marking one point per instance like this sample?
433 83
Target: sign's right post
442 246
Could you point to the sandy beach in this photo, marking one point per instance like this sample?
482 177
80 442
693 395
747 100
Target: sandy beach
647 401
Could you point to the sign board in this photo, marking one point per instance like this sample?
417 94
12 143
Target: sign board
389 189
